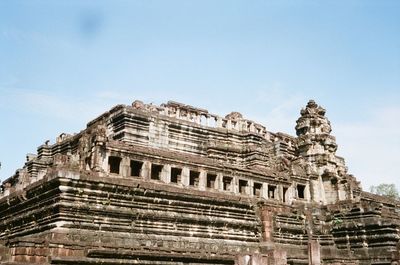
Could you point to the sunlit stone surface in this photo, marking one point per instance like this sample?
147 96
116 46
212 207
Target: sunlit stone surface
174 184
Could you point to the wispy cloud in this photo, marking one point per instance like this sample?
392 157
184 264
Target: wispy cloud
282 107
52 105
72 107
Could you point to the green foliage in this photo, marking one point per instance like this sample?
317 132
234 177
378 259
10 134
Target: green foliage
388 190
337 221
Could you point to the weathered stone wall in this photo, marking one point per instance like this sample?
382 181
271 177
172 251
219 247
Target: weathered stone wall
85 217
174 184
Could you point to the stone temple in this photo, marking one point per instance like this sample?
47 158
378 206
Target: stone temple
175 185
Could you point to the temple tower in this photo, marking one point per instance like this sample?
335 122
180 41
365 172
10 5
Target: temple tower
317 148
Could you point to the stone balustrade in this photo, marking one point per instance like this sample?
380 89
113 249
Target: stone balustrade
233 121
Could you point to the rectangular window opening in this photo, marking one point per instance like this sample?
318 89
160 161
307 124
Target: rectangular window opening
113 164
136 167
176 175
243 184
194 178
271 191
257 189
300 191
284 193
156 171
227 183
211 178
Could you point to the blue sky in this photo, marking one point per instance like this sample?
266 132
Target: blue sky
65 62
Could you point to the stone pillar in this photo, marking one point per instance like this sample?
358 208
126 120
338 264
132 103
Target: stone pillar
307 195
166 174
242 126
202 180
185 176
229 124
314 253
219 182
125 167
341 192
207 120
314 192
104 162
252 128
218 122
235 185
290 195
146 170
280 193
250 188
267 224
276 193
197 119
98 157
267 136
264 191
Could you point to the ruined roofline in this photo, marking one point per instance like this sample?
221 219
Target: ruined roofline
233 121
187 113
231 141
